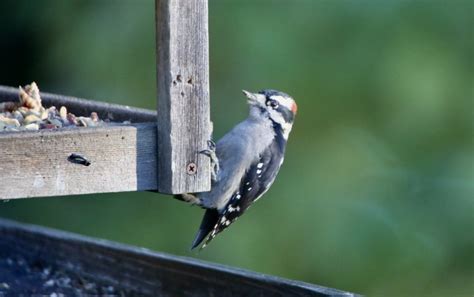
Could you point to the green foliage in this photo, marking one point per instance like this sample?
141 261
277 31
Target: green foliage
376 193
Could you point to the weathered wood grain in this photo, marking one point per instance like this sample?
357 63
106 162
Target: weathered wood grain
183 95
33 164
139 271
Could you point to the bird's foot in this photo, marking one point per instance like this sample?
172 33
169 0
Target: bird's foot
211 153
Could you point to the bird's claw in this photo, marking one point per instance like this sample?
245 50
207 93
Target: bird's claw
211 153
211 145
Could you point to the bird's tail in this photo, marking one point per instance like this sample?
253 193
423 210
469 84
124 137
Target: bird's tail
208 222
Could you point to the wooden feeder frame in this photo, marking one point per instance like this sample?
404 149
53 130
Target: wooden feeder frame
123 157
155 152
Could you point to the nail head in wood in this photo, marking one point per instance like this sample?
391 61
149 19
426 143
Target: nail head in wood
191 169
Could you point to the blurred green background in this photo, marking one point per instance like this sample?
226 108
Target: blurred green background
376 194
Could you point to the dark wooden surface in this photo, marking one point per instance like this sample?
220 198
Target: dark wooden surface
183 95
124 269
123 157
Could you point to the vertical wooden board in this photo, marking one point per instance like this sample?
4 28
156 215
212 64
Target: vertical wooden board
183 95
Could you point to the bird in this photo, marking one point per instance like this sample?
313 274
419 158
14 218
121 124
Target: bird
246 162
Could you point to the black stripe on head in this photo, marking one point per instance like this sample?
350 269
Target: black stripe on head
286 113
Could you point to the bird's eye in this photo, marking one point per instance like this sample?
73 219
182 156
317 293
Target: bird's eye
273 103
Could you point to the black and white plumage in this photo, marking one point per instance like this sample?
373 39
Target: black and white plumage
250 156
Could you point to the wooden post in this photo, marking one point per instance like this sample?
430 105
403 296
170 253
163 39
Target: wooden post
183 95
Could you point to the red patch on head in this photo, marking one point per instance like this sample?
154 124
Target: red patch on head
294 108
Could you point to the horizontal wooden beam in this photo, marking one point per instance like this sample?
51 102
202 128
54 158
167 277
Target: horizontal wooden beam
122 157
34 164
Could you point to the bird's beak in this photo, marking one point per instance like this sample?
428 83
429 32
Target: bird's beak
254 98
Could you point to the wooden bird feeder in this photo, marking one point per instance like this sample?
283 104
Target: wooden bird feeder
157 151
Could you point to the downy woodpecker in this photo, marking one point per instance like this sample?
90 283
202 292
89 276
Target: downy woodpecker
247 160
